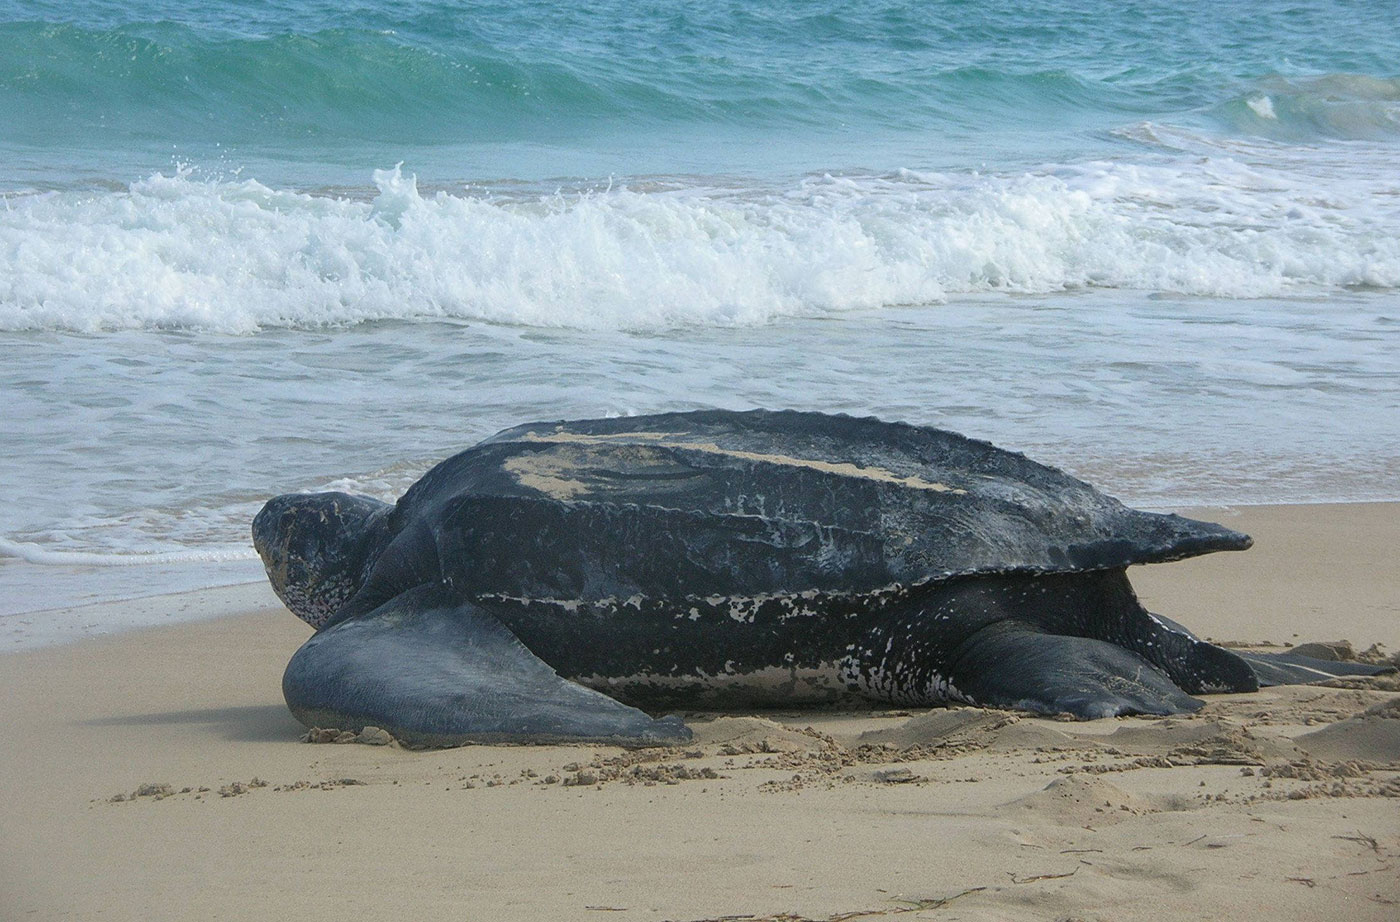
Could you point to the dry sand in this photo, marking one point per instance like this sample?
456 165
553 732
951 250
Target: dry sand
1280 805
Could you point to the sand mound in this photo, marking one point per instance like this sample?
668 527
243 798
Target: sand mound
753 734
972 728
1337 651
1209 740
1341 651
1161 736
1026 735
1389 709
1192 740
1371 736
937 727
1079 801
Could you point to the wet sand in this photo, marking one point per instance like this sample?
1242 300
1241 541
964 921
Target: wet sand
157 775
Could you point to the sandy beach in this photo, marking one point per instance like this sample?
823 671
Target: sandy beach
157 775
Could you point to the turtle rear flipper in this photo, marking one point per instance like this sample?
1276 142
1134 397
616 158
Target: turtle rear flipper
1016 665
1062 644
434 672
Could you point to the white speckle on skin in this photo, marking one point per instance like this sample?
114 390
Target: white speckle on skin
775 685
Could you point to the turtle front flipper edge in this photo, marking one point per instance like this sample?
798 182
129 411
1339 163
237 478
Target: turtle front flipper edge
436 672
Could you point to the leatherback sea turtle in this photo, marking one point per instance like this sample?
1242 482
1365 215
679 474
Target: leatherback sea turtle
537 585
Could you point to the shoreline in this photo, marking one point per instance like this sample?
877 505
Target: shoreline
45 628
155 774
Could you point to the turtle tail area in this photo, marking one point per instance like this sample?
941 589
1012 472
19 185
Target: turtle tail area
1292 669
1202 668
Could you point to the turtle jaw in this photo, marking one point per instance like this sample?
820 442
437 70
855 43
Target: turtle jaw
315 547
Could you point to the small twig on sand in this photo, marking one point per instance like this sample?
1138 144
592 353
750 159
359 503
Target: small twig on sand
1381 870
934 903
1028 880
910 906
1364 839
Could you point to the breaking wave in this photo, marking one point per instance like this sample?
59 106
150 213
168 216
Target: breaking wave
1348 107
179 252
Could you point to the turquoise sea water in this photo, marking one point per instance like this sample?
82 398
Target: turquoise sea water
319 94
250 247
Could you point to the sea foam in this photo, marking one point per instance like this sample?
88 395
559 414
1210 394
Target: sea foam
176 251
31 552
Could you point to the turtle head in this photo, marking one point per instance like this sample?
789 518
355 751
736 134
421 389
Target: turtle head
316 548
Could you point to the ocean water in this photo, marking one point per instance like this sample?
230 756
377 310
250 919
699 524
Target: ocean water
271 245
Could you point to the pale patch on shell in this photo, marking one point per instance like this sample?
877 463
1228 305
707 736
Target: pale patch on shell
679 440
547 474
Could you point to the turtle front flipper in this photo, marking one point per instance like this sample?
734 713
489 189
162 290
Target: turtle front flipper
435 672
